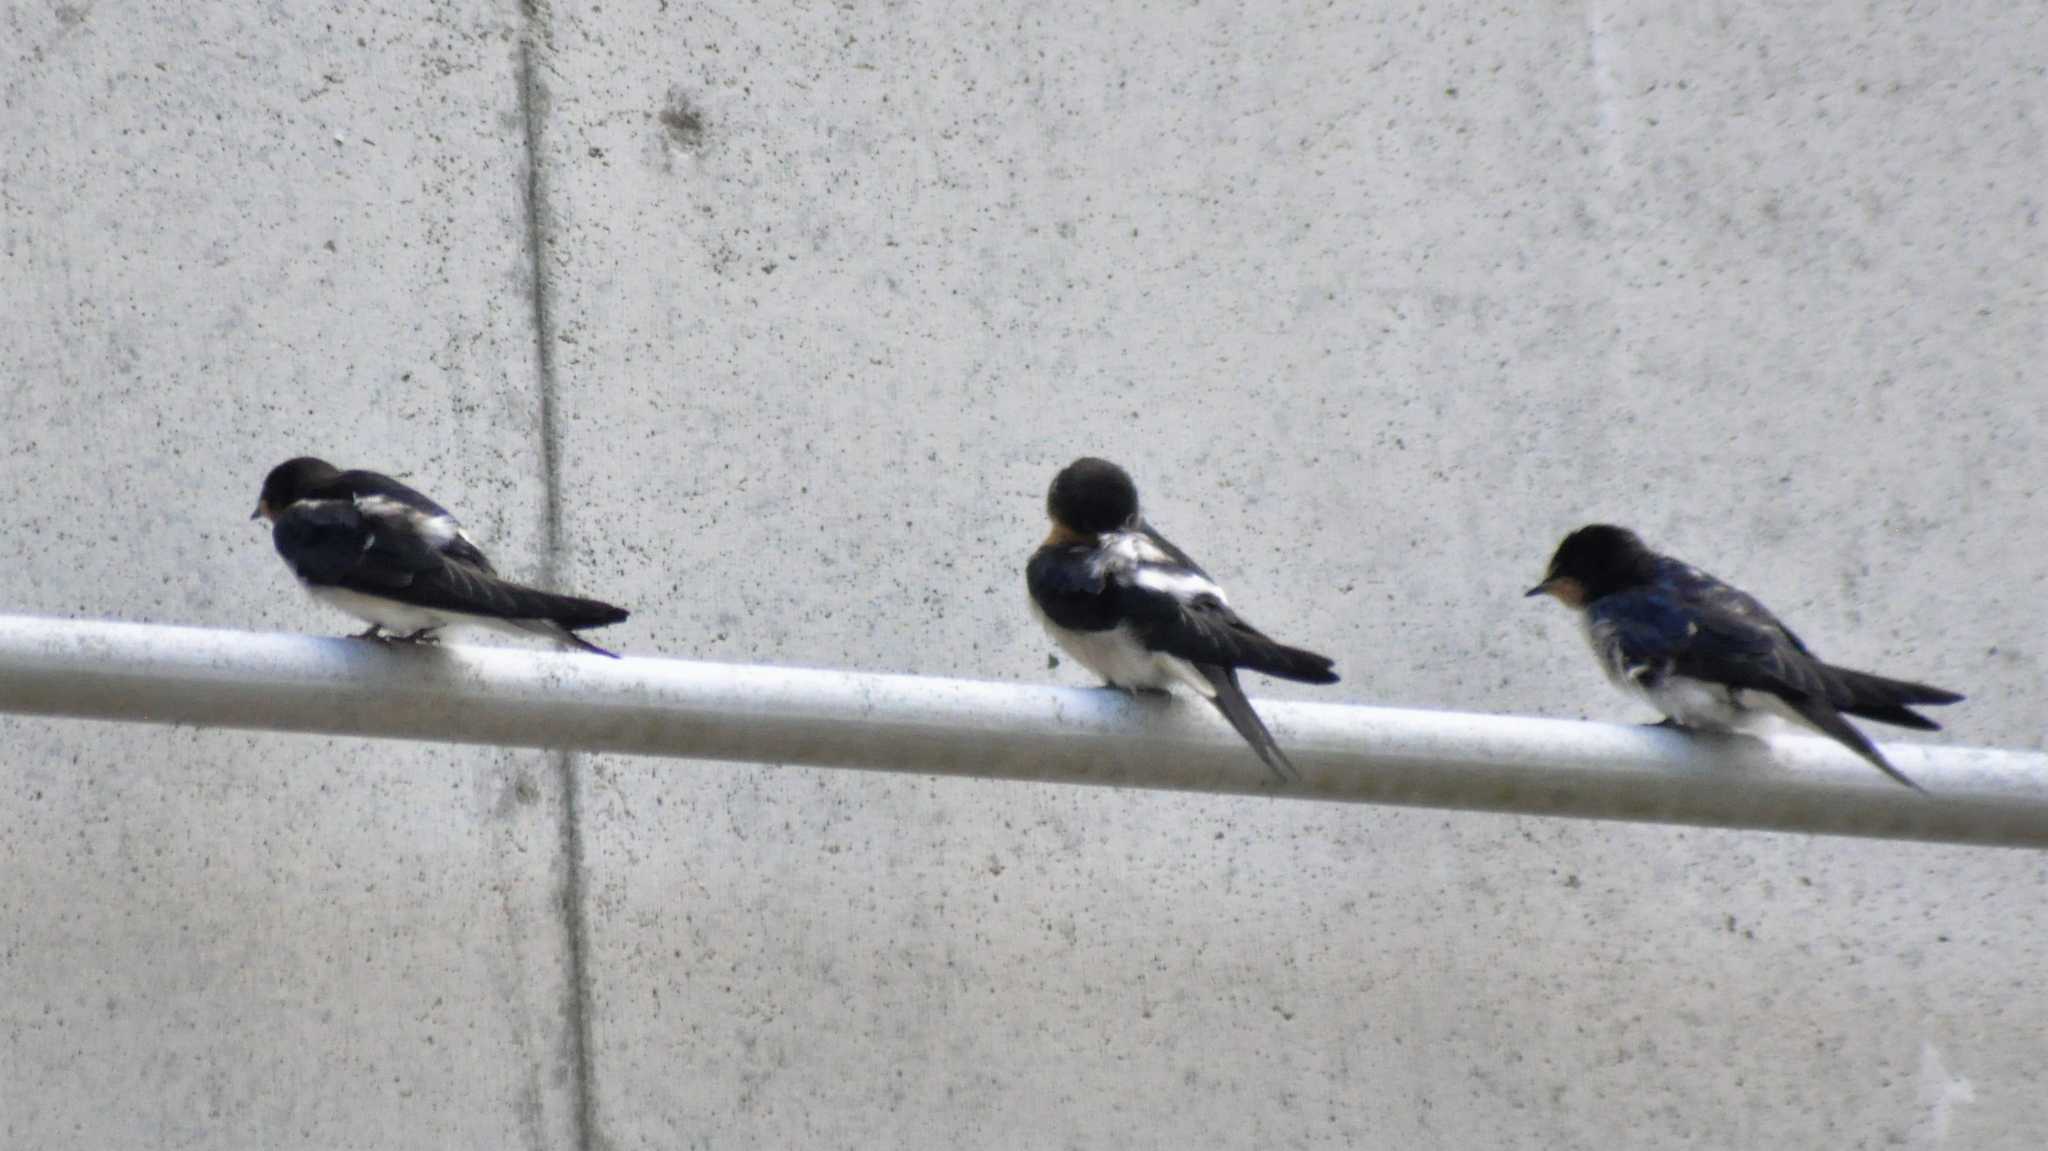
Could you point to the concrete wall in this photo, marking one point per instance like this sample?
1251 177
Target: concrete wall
772 321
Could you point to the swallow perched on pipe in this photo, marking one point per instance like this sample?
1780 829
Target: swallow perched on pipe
386 554
1708 655
1135 610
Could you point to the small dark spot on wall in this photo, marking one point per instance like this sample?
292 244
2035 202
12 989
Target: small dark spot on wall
70 15
684 123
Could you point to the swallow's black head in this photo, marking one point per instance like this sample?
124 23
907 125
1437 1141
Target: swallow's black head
1597 560
1092 496
289 482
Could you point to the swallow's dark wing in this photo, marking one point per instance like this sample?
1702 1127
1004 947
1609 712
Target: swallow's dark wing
1174 607
1852 692
463 550
1202 629
1692 587
333 543
382 495
457 587
1657 632
338 543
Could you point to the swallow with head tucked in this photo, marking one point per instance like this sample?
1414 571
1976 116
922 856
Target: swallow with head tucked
1135 610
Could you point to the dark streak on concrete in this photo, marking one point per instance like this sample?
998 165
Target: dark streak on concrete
684 123
575 923
532 103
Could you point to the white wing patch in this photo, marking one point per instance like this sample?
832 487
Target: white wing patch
1147 565
1132 548
438 531
382 506
1179 583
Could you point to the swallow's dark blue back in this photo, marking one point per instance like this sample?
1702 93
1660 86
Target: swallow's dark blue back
1693 588
1698 627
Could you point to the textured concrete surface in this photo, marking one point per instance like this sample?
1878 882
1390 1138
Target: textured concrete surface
226 237
1375 303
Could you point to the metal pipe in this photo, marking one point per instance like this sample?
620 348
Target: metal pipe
520 698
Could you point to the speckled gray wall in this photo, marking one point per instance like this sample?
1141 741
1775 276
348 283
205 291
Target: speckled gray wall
1375 303
229 234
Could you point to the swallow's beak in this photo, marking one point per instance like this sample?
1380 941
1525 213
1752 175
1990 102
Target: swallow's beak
1564 589
262 509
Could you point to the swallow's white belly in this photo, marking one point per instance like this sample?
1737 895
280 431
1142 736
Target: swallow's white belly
1713 706
387 614
404 619
1118 657
1694 703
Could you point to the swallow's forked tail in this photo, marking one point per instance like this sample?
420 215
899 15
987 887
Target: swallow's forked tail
558 617
1824 716
561 634
1283 662
1229 699
1874 697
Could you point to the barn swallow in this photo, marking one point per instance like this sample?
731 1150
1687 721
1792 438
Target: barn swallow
1708 655
388 555
1135 610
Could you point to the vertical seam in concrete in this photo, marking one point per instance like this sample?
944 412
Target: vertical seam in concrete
576 926
531 100
575 923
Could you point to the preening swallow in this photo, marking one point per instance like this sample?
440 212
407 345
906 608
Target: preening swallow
388 555
1138 612
1708 655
